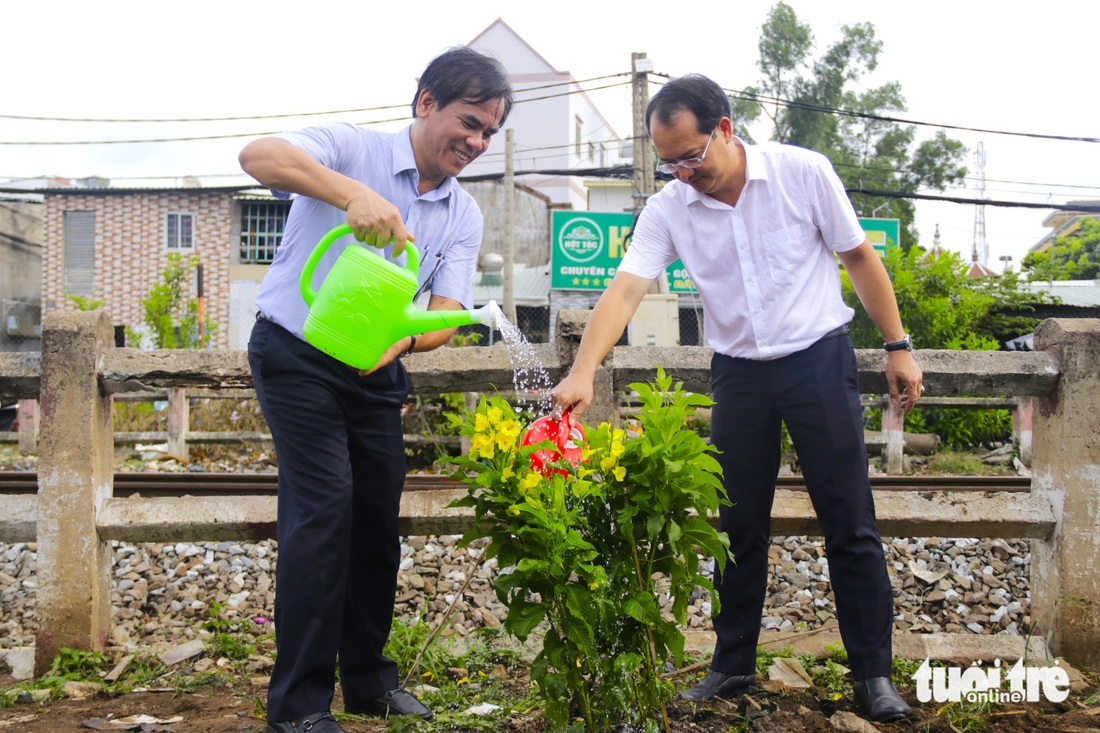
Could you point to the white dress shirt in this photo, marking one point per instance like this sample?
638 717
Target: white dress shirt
765 269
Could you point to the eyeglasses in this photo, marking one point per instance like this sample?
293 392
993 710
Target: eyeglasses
688 163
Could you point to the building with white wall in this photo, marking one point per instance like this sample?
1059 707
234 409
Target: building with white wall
561 130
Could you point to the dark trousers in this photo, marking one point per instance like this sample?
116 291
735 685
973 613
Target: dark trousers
341 455
815 393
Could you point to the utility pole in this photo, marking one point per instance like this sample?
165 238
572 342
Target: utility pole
644 185
509 297
644 180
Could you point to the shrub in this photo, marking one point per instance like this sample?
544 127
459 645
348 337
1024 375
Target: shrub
581 547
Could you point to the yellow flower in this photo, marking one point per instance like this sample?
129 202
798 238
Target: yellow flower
617 449
513 510
529 482
507 473
617 434
482 445
619 472
586 453
481 423
507 434
608 463
593 585
495 415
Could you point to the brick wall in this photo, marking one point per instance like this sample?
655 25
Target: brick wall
130 249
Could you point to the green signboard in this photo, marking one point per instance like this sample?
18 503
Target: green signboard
586 248
882 233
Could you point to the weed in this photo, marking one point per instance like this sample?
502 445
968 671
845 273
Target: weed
837 652
833 680
902 670
966 717
961 464
77 664
405 724
230 635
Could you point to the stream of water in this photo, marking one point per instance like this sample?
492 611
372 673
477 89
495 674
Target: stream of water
529 377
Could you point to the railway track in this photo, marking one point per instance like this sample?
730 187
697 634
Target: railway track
236 484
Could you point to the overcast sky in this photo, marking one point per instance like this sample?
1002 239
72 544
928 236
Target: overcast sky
967 64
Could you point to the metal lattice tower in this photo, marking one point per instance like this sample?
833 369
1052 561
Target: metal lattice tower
981 246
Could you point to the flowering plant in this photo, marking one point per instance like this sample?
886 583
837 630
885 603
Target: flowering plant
582 546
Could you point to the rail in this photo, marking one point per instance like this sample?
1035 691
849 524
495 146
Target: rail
76 510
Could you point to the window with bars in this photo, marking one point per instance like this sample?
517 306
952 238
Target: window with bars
262 225
180 230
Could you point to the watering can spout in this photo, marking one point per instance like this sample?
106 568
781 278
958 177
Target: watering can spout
419 321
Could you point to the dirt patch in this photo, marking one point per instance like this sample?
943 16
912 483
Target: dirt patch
216 705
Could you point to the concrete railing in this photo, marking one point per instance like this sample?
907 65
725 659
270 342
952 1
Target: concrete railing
75 513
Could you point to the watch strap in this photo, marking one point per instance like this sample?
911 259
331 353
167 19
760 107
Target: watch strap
906 344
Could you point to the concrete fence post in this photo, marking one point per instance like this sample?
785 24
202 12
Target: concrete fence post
75 475
1065 587
1022 430
28 426
893 429
179 422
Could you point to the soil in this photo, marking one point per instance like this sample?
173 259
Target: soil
219 706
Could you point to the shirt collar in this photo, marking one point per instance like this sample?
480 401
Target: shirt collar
405 161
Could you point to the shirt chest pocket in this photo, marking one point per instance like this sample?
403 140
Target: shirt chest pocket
788 251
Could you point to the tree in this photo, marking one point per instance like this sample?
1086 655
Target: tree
944 309
173 320
1075 256
799 96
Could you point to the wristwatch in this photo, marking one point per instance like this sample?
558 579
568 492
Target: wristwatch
906 344
412 345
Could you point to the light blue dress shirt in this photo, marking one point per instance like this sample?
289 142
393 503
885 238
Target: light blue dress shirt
446 221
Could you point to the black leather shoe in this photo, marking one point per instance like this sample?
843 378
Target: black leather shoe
315 723
878 698
394 702
720 684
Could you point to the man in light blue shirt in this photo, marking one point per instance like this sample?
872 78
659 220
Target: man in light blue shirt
337 430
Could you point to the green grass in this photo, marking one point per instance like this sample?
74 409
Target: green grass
962 464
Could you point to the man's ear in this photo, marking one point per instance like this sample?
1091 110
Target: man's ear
424 103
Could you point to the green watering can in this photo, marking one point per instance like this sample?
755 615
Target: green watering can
365 306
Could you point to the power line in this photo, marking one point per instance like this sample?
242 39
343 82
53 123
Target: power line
151 120
227 136
759 98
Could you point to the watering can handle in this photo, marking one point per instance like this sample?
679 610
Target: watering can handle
412 261
565 425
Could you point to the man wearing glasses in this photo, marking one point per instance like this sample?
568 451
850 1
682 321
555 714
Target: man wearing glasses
759 229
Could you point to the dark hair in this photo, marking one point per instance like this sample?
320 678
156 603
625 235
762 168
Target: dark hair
695 93
463 73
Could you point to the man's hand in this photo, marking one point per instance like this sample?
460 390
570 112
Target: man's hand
375 221
392 353
905 379
572 392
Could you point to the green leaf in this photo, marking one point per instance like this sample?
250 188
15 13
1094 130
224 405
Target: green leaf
523 617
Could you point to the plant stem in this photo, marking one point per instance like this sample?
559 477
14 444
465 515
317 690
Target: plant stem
443 621
649 637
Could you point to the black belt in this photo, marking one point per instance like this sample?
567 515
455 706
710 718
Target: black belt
838 331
